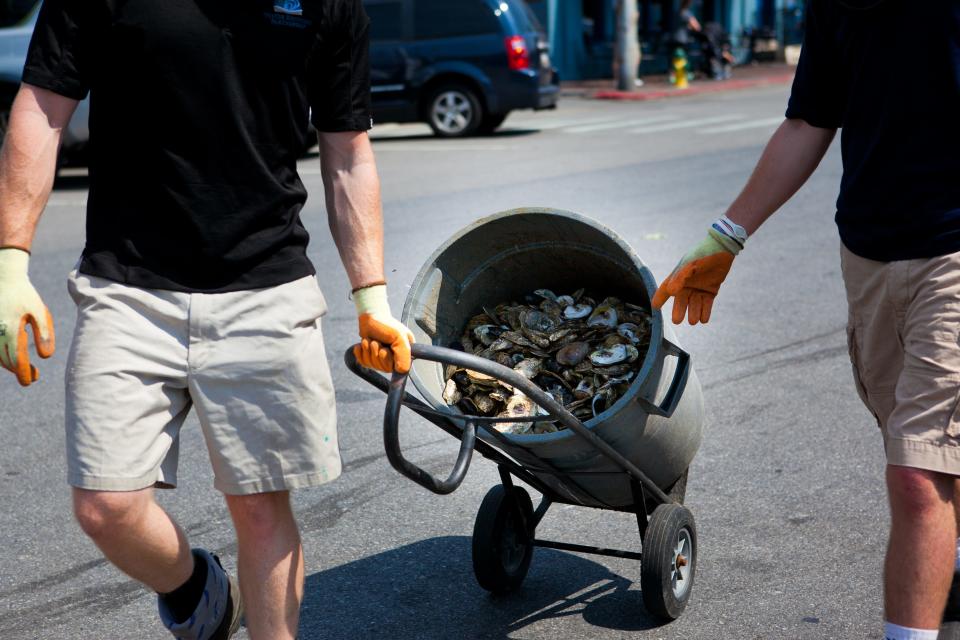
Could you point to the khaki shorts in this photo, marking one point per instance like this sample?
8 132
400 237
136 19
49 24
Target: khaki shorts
252 363
903 331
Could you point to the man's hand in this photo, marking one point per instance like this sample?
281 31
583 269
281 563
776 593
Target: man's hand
385 342
20 305
695 281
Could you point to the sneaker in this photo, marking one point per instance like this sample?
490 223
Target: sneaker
231 618
218 613
950 628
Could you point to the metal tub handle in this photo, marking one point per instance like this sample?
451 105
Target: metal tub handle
677 386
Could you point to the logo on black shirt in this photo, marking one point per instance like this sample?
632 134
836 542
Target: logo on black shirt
288 13
289 7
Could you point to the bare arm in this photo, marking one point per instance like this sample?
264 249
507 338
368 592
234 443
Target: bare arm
791 156
354 211
28 161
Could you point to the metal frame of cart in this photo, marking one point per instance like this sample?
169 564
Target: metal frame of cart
505 529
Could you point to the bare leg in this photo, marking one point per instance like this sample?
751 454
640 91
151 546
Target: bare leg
956 503
270 562
923 542
136 535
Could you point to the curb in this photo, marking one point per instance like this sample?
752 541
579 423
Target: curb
699 88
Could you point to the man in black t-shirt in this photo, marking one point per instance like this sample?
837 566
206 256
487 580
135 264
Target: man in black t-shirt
194 288
899 219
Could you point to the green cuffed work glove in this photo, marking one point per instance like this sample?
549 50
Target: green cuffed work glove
695 281
20 305
384 340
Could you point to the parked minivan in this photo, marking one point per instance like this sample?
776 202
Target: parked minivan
459 65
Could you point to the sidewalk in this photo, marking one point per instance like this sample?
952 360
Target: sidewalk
657 87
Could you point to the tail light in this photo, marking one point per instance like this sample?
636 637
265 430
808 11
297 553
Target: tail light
518 55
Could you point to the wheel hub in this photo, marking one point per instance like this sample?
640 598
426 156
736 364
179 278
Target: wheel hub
452 112
680 567
513 549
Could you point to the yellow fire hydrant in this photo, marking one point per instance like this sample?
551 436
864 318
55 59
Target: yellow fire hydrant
679 72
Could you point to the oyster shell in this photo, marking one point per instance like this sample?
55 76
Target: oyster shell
581 352
451 393
529 368
577 311
609 355
603 316
630 331
573 354
546 294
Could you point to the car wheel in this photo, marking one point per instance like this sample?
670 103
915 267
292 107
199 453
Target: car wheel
491 122
454 111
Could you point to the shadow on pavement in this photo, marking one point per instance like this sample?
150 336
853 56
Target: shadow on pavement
427 590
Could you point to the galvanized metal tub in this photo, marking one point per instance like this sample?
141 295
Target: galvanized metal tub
657 424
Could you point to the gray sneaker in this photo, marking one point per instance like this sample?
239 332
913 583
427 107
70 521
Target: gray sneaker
218 614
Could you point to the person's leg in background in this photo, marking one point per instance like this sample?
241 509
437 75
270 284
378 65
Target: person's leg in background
950 625
906 364
921 554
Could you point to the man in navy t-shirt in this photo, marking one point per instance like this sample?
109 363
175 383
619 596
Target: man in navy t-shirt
194 290
886 72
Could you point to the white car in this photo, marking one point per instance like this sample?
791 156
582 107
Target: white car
14 41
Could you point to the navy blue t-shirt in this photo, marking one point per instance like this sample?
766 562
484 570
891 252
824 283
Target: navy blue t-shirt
198 113
889 76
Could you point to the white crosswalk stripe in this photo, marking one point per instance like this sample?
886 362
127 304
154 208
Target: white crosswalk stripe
742 126
560 124
620 124
686 124
585 124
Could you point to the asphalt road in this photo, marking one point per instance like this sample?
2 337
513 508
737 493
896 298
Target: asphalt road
786 489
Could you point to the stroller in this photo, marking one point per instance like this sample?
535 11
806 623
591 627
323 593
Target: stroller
717 59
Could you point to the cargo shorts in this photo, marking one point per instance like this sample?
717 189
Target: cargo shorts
903 333
251 363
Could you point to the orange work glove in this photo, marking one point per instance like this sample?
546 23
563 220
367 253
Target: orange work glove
20 305
385 342
695 281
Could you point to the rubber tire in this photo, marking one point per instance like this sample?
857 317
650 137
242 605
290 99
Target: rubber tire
491 122
495 525
657 561
476 109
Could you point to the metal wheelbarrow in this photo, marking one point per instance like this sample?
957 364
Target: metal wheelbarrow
633 457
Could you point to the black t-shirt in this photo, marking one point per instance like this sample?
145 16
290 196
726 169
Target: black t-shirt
198 113
890 77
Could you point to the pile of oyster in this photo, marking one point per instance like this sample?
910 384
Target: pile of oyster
581 352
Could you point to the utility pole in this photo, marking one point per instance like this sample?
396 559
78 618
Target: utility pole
628 46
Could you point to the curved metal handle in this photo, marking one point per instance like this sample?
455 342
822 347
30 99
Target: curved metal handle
677 385
391 442
395 395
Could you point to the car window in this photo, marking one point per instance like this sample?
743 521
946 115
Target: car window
13 12
527 11
386 20
449 18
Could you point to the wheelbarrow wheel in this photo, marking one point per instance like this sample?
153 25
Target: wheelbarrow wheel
669 561
502 542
